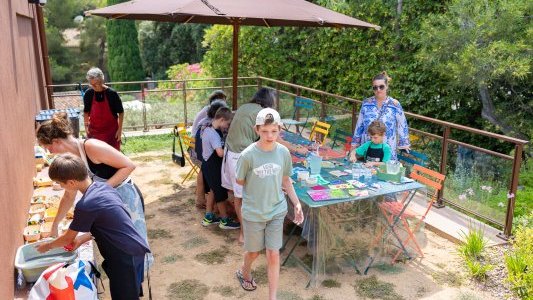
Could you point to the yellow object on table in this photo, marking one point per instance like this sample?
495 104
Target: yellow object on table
42 182
50 214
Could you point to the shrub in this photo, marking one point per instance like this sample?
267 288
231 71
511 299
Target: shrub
519 262
473 244
477 269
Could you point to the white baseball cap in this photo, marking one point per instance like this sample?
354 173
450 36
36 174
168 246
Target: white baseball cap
265 113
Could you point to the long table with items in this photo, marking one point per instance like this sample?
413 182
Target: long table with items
344 226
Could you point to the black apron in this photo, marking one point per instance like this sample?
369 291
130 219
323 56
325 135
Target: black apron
374 154
211 169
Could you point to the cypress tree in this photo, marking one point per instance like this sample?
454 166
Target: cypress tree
124 60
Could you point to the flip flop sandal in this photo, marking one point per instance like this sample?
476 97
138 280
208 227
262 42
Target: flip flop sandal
247 285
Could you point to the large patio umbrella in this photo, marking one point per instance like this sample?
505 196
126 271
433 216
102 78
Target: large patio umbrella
232 12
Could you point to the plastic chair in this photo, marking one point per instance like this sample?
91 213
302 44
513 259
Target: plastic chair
319 128
189 144
393 210
300 103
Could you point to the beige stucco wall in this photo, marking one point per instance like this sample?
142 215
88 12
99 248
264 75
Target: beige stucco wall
21 96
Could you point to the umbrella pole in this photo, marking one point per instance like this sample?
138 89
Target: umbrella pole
235 62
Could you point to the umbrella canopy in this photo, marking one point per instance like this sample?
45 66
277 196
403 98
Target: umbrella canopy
232 12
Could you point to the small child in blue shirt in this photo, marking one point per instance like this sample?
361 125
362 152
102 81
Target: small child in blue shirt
375 151
212 153
101 214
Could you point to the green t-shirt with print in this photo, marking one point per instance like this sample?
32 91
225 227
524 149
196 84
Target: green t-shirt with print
241 133
263 171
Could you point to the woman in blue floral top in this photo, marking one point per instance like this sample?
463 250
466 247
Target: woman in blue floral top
386 109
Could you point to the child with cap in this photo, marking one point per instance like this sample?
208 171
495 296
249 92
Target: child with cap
263 169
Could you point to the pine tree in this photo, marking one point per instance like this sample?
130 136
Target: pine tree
124 60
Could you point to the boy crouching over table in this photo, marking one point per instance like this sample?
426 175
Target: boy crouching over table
263 169
100 212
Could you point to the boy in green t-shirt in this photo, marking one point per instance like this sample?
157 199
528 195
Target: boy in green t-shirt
263 169
375 151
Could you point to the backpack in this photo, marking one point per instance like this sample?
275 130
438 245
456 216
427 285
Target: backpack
198 144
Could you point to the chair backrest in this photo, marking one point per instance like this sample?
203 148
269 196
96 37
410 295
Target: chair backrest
433 179
413 158
320 128
342 138
302 103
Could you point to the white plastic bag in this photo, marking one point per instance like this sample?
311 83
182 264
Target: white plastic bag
65 282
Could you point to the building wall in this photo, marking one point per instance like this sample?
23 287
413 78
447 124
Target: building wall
22 94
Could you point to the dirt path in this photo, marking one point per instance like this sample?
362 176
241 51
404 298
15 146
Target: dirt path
193 262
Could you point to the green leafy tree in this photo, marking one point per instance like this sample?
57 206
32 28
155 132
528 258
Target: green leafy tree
486 45
124 60
165 44
93 39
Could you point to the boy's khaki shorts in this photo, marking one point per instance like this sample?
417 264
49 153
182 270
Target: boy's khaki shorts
261 235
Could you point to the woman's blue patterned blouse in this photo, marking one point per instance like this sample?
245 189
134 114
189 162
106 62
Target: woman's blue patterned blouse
391 114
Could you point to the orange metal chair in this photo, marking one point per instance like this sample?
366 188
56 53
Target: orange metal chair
319 129
392 210
189 144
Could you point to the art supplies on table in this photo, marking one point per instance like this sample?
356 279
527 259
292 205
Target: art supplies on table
327 194
340 186
358 184
338 173
358 193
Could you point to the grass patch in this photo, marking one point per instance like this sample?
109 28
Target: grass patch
159 234
171 259
151 158
467 296
138 144
331 283
212 257
166 180
389 269
473 244
194 242
168 198
448 277
225 290
190 289
176 210
260 275
372 288
230 236
288 295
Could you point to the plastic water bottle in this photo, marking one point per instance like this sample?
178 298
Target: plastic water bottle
368 174
356 171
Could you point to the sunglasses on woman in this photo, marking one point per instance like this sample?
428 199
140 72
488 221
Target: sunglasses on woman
378 87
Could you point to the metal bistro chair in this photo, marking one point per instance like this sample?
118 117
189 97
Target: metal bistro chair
343 139
189 144
319 129
300 104
392 210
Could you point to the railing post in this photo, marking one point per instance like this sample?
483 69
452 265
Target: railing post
277 95
322 107
185 101
354 113
511 197
443 162
145 126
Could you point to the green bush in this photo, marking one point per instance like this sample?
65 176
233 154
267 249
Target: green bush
473 244
477 269
519 262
